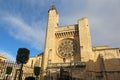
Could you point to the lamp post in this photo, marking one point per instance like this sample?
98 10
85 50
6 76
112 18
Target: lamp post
70 67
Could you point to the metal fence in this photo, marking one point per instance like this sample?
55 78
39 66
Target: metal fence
28 71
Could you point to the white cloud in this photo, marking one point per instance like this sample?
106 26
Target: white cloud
9 57
103 16
33 35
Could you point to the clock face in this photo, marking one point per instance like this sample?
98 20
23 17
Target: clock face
67 48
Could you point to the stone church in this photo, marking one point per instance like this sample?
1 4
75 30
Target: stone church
69 55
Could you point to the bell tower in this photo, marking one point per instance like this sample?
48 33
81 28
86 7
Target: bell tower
85 40
52 23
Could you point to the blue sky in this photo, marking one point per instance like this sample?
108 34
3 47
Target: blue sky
23 22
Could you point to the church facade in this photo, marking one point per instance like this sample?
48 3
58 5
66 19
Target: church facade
69 55
65 45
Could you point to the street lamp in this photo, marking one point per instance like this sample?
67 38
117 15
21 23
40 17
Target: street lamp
70 67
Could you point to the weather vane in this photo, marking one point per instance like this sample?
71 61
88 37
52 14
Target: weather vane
52 2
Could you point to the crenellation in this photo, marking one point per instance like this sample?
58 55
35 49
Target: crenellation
63 34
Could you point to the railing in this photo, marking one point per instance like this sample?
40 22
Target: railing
15 71
67 64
